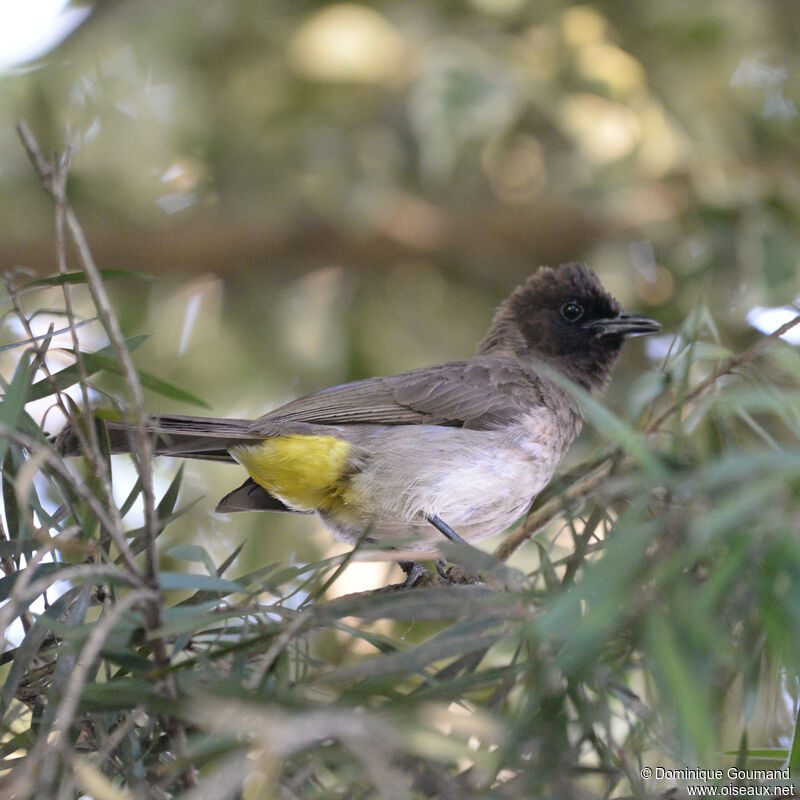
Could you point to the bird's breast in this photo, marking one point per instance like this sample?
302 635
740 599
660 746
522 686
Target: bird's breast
546 433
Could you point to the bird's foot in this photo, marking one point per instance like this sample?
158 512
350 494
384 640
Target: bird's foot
416 575
455 574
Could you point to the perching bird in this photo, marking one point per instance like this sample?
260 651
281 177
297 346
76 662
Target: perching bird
459 447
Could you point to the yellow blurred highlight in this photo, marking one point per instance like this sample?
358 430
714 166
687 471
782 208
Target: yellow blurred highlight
183 174
726 182
604 130
605 63
348 43
582 26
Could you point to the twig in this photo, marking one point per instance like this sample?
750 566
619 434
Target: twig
542 515
555 506
25 591
54 181
56 741
732 364
90 448
276 649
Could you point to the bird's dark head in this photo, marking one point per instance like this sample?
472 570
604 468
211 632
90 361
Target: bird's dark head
565 317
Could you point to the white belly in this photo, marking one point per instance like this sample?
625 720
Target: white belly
478 482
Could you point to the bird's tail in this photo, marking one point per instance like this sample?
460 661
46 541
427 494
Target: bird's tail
206 438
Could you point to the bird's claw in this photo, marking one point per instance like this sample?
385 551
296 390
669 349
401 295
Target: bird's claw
455 574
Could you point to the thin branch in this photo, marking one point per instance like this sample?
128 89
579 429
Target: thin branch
277 647
25 591
544 514
54 744
54 181
90 448
730 366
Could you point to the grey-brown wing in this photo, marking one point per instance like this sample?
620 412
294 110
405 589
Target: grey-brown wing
479 393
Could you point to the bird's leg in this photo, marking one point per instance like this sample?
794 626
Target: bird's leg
444 528
416 572
452 574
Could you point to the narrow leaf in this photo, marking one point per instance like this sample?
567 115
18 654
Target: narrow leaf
15 399
187 581
80 277
68 376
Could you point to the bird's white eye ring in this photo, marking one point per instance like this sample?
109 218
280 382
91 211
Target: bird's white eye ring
571 311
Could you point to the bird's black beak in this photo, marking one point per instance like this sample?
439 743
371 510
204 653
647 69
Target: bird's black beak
623 324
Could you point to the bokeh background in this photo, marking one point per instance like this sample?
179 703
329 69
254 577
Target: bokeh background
327 191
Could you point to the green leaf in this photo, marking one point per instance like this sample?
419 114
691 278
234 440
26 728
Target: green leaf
68 376
14 400
196 619
123 693
689 696
454 642
794 752
166 505
130 661
189 582
12 516
41 571
194 553
96 362
73 278
741 757
131 498
137 537
19 547
429 603
479 562
611 426
223 567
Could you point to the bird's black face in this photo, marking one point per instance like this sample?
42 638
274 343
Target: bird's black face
567 318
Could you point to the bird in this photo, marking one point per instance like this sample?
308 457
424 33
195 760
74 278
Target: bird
456 450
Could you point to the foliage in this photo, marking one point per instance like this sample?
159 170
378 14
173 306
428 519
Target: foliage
647 640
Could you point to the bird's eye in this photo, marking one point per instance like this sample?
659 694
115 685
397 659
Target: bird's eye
571 311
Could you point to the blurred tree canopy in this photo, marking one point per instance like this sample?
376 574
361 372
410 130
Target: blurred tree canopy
478 138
